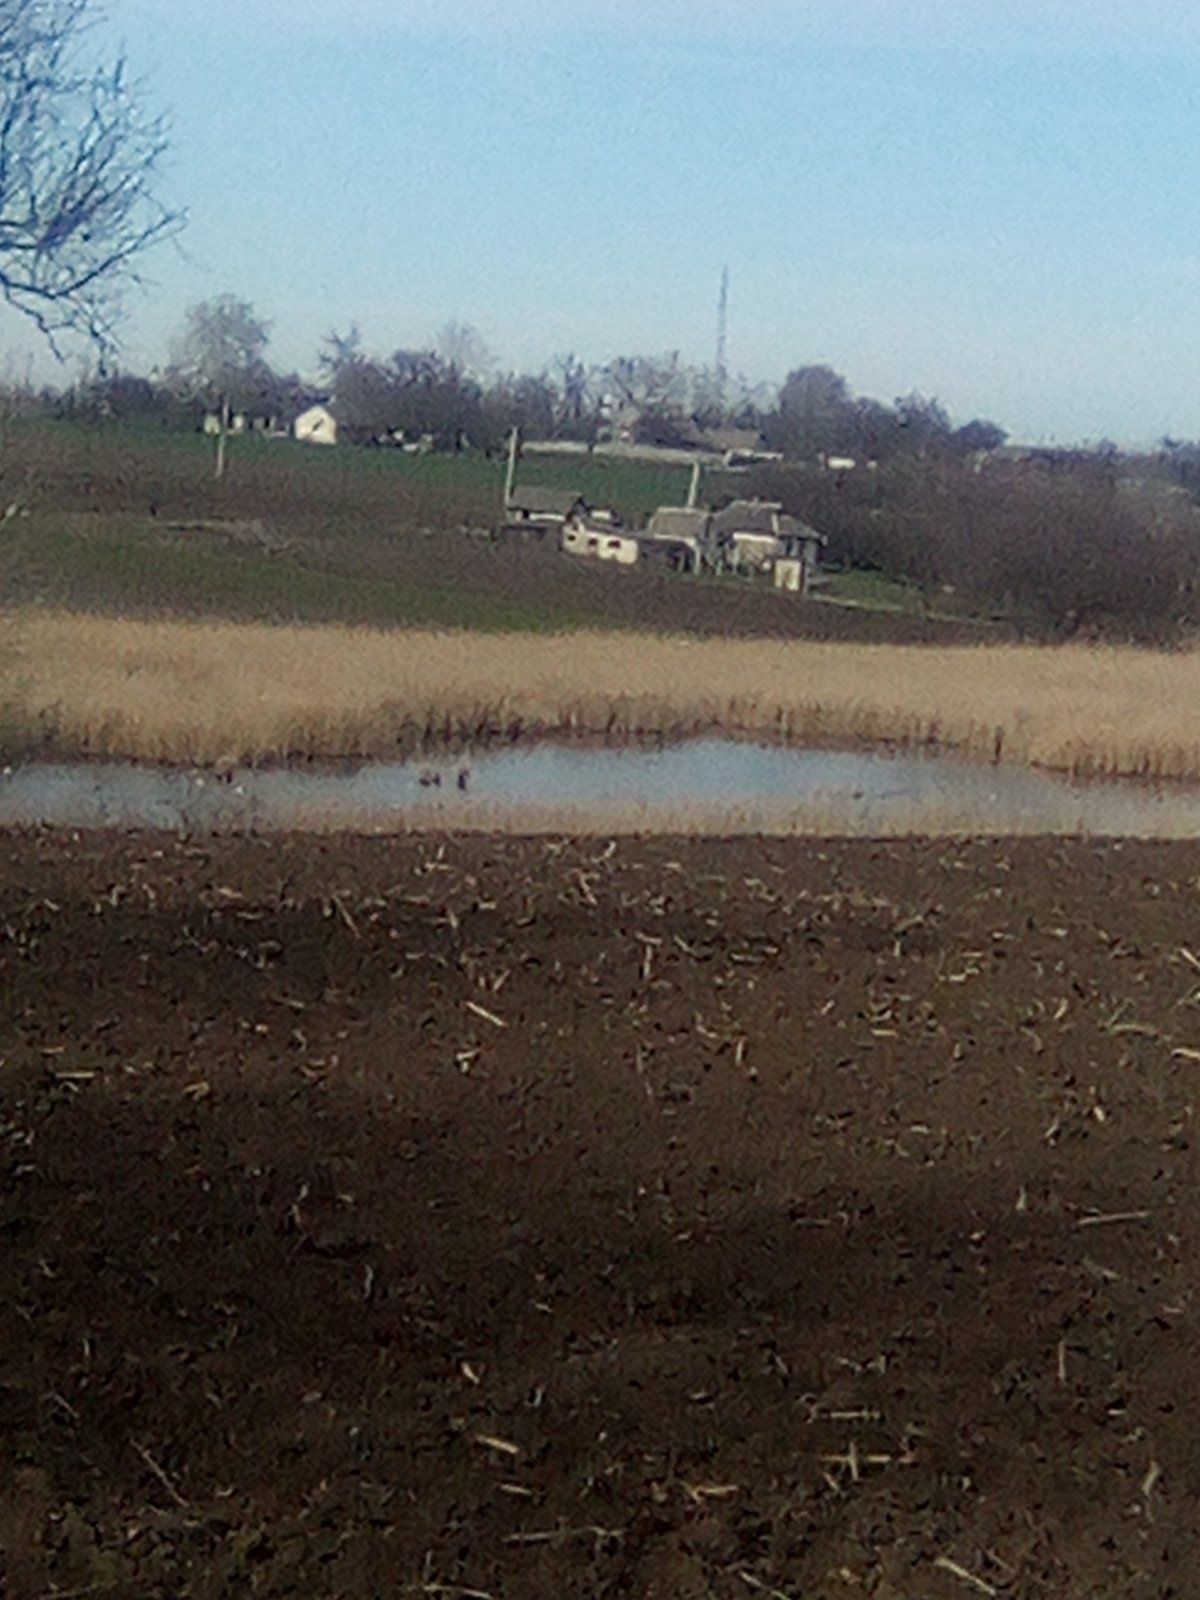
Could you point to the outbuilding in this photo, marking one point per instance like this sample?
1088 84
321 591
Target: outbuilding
746 535
681 534
542 510
583 536
316 425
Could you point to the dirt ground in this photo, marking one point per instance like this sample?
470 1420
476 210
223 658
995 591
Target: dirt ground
673 1220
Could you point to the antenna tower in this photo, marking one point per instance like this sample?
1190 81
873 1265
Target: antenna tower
723 335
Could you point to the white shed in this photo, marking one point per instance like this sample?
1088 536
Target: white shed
789 574
317 425
600 541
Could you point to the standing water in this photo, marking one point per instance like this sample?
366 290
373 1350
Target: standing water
704 785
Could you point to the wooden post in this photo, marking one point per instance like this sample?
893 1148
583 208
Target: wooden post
693 498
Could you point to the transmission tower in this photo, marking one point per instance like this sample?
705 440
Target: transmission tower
723 335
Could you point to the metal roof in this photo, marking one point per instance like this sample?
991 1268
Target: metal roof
747 516
734 441
679 522
545 502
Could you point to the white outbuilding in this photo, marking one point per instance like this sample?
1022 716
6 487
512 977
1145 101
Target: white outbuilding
316 425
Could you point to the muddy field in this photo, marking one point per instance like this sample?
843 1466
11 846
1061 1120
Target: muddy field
672 1220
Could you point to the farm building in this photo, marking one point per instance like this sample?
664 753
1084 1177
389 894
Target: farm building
788 573
746 534
753 535
740 447
316 425
650 434
797 568
583 536
542 510
683 530
236 422
620 421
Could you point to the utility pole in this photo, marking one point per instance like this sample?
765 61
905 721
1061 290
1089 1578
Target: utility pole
510 479
723 338
222 434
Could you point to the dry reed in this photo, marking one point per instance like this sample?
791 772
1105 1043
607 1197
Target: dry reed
203 692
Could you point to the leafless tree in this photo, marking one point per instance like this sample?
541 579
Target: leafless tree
79 159
579 390
222 352
656 381
339 351
462 347
221 358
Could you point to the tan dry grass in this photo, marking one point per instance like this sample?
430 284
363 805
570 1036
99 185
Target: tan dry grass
199 692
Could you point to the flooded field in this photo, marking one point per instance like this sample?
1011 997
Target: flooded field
701 786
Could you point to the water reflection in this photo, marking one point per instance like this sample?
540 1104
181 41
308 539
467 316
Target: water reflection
706 784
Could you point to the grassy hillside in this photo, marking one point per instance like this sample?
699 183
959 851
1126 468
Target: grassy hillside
128 468
131 522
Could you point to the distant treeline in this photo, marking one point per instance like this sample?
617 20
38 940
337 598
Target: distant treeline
454 396
1080 544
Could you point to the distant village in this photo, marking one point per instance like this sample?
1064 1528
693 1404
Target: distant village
750 537
730 448
898 489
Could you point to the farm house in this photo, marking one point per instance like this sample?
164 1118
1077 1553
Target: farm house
801 558
747 536
740 448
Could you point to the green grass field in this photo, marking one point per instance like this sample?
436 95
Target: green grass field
362 535
130 521
116 461
127 566
872 591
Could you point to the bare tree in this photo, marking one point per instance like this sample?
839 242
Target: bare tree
580 390
462 347
339 350
221 358
655 381
78 163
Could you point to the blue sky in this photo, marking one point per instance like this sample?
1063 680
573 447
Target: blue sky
995 203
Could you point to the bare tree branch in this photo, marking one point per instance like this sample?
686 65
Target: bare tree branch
78 163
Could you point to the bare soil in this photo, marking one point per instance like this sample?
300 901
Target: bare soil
670 1220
